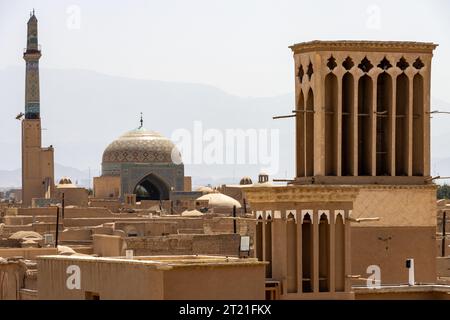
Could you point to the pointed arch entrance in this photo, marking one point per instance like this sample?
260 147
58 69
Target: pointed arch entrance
151 187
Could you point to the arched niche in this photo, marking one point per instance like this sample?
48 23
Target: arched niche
259 238
348 88
268 246
401 125
307 251
418 125
339 242
151 187
309 135
384 130
300 135
291 242
331 114
324 253
365 109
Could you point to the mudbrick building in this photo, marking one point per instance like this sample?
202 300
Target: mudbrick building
363 197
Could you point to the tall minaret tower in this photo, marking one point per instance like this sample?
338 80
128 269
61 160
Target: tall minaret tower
37 162
32 55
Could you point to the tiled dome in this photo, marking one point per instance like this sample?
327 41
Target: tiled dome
141 146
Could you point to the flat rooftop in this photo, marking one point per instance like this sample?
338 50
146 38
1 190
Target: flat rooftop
163 262
403 288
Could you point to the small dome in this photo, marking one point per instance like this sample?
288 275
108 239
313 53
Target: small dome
245 180
191 213
65 250
65 180
141 146
205 190
219 200
19 235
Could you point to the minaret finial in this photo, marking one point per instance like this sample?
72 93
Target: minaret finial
142 121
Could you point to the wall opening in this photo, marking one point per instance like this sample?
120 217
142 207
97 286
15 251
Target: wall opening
384 130
300 135
365 91
331 114
151 187
309 137
268 246
418 132
324 254
259 239
291 254
339 254
401 126
307 250
347 125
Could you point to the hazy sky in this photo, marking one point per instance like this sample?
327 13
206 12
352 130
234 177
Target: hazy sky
238 46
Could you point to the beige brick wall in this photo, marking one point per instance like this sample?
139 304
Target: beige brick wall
396 206
224 244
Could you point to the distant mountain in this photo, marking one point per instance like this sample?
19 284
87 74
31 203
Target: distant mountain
12 178
83 111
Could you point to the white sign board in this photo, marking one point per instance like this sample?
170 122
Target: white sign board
245 243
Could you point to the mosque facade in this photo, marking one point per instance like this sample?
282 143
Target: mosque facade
141 162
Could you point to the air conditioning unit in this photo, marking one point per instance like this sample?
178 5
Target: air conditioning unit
48 239
129 254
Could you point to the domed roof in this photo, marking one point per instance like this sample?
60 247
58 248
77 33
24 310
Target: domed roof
29 235
142 146
246 180
220 200
204 190
65 180
191 213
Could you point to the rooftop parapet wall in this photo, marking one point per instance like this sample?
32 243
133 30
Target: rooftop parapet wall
155 278
364 46
27 253
218 244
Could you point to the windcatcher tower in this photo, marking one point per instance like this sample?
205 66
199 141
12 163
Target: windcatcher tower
363 112
37 162
363 120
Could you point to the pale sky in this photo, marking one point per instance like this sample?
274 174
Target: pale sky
240 47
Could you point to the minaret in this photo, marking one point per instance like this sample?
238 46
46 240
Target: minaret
32 55
37 162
